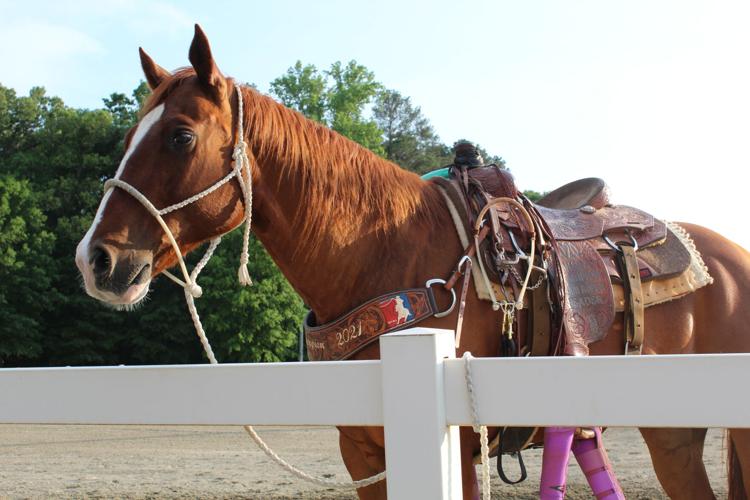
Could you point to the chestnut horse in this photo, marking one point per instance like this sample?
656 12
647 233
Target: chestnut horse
345 226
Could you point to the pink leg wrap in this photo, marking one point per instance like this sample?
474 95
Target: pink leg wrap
557 444
593 460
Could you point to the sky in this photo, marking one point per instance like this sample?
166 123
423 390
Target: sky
651 96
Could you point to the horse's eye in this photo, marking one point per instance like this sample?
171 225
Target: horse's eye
182 138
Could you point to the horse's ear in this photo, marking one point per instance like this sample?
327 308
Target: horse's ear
155 74
204 65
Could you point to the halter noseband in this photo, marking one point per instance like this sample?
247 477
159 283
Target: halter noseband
241 166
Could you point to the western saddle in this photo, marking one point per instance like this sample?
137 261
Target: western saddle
587 258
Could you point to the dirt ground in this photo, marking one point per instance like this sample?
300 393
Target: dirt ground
139 462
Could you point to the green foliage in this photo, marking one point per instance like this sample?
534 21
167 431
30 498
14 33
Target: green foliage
408 138
337 98
24 258
303 88
257 323
340 98
353 87
533 195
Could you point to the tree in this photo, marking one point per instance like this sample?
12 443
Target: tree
533 195
337 98
302 88
353 87
258 323
24 259
408 138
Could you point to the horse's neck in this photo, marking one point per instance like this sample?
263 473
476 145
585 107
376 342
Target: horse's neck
340 252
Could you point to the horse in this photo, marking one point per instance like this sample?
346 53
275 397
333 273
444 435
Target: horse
344 226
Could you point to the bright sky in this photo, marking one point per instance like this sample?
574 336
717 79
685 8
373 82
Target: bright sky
651 96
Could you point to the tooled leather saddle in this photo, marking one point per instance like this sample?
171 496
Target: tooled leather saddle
590 261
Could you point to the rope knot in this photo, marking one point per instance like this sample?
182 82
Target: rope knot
239 150
194 290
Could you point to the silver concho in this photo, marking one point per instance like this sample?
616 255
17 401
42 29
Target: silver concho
587 209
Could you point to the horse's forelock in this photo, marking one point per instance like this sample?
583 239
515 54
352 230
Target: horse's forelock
167 87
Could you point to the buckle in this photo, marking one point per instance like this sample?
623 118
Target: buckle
616 246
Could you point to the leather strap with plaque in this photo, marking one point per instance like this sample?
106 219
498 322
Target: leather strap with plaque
341 338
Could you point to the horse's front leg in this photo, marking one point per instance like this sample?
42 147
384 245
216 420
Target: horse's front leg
363 452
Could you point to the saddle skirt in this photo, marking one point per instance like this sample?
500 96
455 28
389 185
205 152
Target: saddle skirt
583 230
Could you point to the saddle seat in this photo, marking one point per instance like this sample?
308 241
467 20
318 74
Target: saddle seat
590 191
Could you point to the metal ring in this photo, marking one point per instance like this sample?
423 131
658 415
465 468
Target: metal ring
616 247
461 263
438 281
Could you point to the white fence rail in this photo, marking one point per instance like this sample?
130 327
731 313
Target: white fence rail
416 391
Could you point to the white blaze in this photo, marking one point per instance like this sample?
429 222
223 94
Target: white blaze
82 252
82 257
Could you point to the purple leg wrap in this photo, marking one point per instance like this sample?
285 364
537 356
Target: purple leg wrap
593 460
557 445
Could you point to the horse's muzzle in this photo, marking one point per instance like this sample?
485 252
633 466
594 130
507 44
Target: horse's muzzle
117 277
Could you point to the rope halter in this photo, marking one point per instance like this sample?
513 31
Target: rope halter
240 171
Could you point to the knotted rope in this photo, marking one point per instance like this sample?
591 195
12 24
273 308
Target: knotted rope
242 166
479 429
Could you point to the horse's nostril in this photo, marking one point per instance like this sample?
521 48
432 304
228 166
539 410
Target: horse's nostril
102 261
142 275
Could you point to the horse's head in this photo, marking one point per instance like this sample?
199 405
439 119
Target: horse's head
181 146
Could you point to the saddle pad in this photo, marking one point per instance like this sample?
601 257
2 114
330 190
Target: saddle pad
693 277
670 258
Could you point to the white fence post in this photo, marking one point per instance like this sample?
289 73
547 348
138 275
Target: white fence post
422 453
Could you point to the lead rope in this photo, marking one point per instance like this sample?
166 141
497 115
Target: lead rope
251 431
242 166
479 429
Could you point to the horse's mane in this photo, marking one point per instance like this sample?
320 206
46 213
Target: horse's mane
346 190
